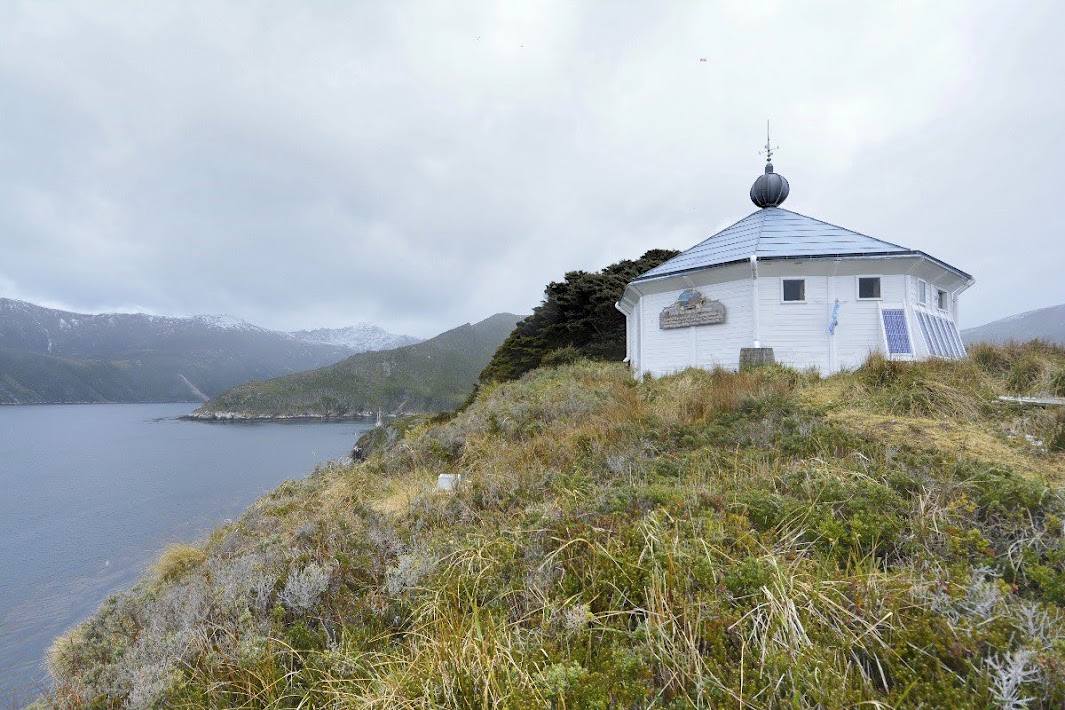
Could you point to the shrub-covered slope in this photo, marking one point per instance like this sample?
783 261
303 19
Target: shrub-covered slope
430 376
891 537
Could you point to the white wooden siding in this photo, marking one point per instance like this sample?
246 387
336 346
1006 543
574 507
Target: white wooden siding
797 332
674 349
859 331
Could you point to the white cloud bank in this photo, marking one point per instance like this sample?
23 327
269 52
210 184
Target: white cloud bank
420 165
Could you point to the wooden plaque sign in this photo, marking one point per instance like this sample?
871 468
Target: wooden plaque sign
691 308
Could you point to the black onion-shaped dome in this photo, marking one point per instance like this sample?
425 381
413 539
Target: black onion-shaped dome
769 190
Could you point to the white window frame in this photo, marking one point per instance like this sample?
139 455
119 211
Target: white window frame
943 296
789 278
858 291
922 292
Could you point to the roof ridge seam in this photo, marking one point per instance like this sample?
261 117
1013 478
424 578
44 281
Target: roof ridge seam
761 229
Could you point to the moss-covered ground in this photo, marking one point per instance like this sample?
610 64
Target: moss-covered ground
890 537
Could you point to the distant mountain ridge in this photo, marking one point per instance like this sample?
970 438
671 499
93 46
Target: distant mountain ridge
430 376
27 326
54 356
360 338
1043 323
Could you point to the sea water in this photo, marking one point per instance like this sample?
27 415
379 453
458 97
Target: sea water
91 494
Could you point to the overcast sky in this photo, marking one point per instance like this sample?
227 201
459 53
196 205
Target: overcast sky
420 165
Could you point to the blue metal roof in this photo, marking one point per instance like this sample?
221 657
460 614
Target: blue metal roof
776 233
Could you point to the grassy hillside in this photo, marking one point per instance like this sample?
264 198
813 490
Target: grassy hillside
891 537
430 376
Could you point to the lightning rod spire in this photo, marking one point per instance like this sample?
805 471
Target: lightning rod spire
769 147
770 189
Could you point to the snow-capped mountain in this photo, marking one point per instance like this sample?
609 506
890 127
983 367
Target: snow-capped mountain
359 338
222 321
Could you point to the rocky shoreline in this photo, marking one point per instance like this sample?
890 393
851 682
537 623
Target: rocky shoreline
99 401
238 417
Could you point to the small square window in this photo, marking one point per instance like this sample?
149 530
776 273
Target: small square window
794 289
868 287
943 300
922 291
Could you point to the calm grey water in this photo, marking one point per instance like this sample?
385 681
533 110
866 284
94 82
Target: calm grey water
90 494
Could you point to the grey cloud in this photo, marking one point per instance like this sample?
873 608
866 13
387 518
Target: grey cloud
420 166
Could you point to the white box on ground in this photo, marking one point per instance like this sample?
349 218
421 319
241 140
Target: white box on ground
448 481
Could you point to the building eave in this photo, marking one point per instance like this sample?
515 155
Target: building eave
909 253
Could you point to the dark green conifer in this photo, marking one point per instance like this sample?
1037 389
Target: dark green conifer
576 319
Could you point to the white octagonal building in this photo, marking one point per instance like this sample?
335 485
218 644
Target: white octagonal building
819 296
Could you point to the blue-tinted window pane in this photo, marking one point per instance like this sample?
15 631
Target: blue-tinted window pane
929 334
898 336
922 319
955 337
938 347
944 324
941 335
947 340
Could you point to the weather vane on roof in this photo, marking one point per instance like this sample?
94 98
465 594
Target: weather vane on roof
769 147
770 189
